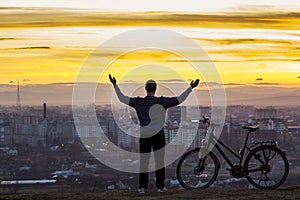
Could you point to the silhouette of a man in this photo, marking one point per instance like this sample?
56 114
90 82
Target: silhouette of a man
151 114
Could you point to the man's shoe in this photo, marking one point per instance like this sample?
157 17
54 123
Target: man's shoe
141 191
162 190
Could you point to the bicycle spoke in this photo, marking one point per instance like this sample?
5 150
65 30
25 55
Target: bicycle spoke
272 156
254 170
267 178
257 157
264 179
260 178
265 157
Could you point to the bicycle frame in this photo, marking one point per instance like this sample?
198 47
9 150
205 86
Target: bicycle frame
239 156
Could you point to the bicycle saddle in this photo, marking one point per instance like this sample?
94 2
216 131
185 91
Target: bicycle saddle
251 128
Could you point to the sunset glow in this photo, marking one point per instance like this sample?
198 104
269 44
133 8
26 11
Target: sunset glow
250 43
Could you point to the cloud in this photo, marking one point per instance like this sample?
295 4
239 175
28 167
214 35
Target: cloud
259 79
61 17
266 83
62 83
171 80
298 77
26 48
233 41
220 84
26 80
245 57
11 82
190 60
129 81
211 84
255 54
11 39
233 84
72 83
6 85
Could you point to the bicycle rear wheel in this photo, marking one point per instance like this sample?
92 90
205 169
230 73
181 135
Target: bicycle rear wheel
191 176
267 167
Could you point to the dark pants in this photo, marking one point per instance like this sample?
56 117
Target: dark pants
146 144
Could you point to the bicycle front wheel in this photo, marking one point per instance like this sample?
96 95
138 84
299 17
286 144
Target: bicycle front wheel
267 167
197 173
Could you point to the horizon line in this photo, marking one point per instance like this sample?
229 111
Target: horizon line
168 81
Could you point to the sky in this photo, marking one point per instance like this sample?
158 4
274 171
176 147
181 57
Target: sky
155 5
251 43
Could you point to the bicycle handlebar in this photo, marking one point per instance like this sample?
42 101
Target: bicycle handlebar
205 120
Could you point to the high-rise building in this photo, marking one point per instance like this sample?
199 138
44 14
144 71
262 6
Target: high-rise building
177 114
266 113
18 97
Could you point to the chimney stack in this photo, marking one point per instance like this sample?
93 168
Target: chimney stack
45 111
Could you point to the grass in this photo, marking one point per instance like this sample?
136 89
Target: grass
210 194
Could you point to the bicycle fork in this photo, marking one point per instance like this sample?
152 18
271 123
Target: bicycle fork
198 170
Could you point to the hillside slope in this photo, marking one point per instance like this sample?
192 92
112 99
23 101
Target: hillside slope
216 194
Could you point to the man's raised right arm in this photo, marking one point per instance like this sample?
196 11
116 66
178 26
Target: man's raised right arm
124 99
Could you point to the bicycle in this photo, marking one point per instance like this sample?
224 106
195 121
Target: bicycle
265 165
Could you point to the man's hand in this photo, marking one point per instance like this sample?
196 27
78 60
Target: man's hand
194 83
112 80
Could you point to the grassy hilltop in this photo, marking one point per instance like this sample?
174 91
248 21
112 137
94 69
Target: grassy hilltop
234 194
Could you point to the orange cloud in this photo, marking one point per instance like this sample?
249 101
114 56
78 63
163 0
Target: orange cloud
49 17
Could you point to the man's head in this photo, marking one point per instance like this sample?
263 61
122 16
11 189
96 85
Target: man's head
150 86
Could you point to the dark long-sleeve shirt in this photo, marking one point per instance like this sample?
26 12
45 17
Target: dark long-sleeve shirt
151 109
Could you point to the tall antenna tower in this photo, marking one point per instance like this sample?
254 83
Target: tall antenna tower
18 97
